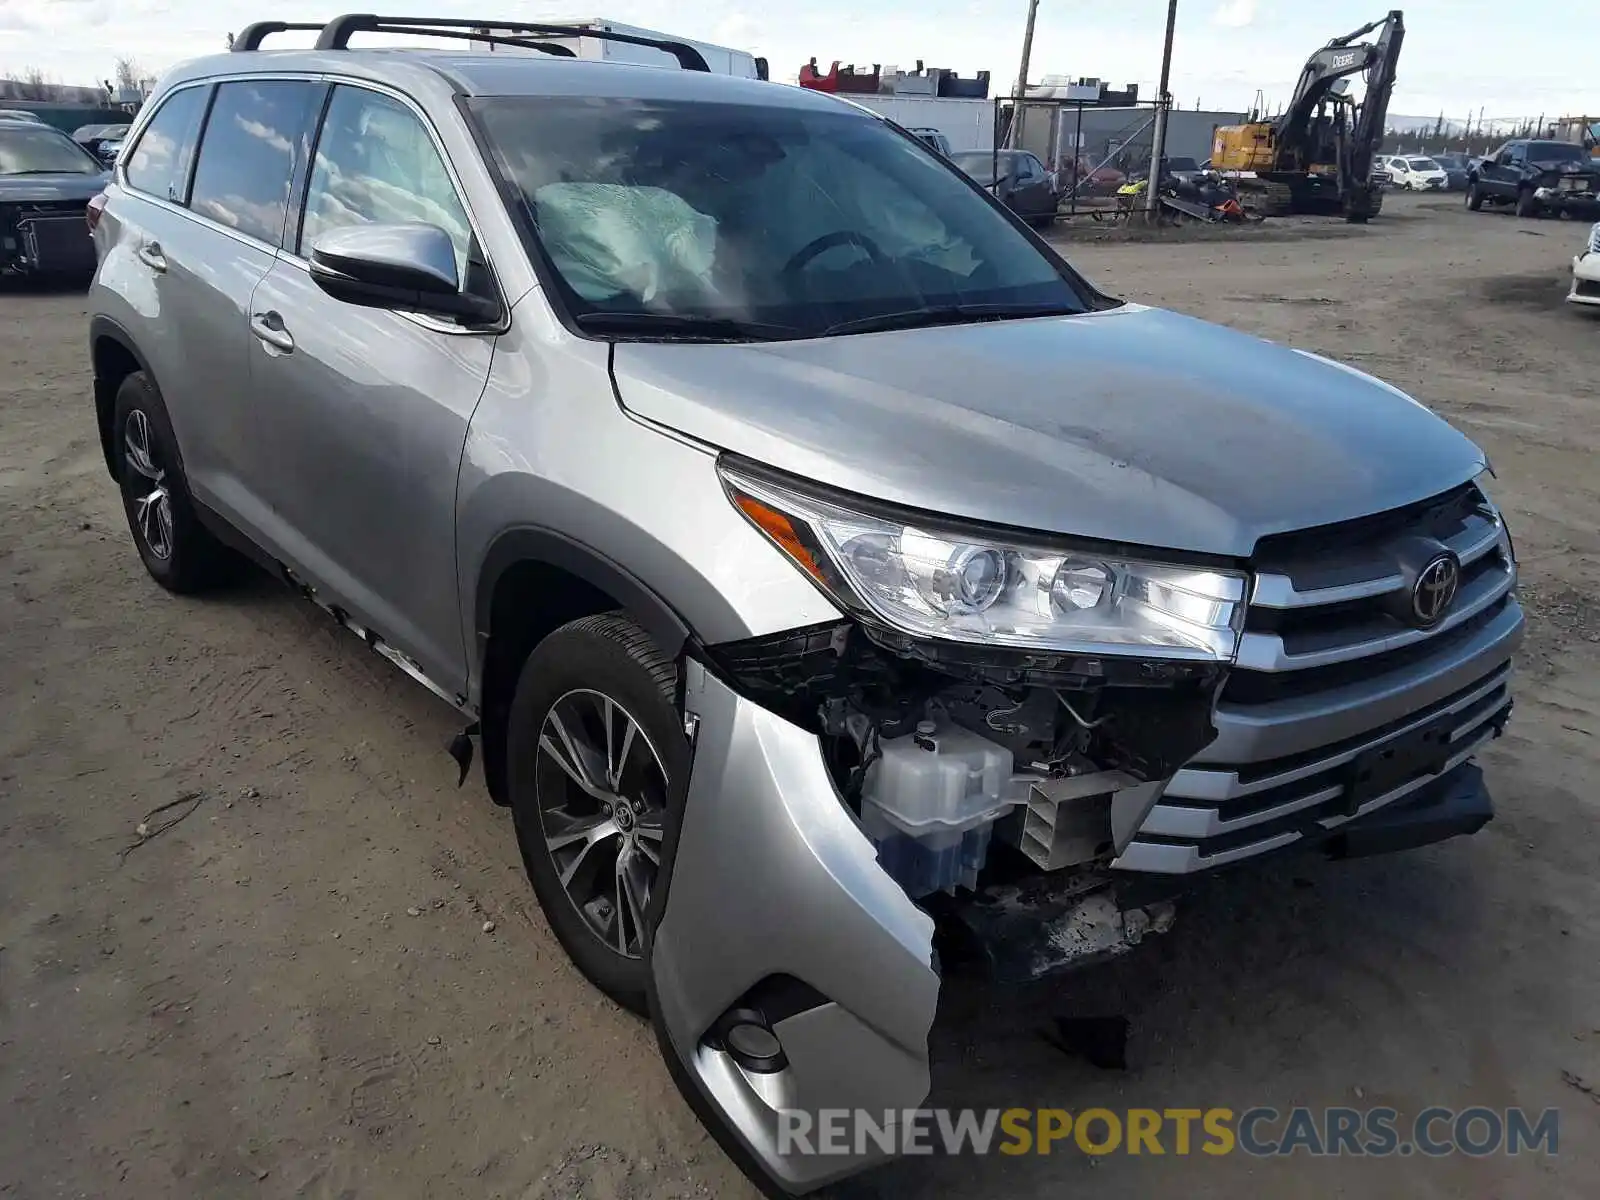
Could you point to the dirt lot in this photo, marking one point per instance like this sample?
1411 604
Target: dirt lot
291 993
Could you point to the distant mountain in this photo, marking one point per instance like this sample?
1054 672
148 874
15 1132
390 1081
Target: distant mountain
1403 124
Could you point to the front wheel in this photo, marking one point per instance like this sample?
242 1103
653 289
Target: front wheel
1474 198
598 768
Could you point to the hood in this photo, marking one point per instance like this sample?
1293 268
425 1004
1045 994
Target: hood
1131 425
1566 167
34 189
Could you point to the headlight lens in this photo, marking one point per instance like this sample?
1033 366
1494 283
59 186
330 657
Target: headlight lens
942 583
1482 484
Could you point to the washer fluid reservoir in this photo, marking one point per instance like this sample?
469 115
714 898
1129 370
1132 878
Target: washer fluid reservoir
929 804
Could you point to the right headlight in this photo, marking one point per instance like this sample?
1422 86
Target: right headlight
1481 483
939 581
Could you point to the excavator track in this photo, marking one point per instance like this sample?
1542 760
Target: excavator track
1266 199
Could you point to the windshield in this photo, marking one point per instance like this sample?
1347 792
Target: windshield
1555 152
40 150
1182 164
669 214
1422 164
980 164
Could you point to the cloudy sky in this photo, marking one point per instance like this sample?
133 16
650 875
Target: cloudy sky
1510 59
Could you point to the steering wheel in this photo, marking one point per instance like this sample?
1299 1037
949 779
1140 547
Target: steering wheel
802 257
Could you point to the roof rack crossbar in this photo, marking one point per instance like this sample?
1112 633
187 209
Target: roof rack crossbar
252 35
336 33
483 35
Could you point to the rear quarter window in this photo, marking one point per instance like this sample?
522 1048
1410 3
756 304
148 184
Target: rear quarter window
160 160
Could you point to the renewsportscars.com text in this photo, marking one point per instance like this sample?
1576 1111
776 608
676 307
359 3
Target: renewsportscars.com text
1261 1131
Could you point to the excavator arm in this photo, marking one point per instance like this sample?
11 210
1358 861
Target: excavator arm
1339 59
1355 163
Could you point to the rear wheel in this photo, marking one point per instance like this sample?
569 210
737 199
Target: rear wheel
598 767
178 551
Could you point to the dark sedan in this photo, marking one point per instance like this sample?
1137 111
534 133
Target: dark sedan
1455 170
1017 178
46 183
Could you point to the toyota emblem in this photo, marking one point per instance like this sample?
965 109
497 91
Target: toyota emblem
1435 589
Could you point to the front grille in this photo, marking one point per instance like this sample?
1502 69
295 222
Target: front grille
1331 678
1587 288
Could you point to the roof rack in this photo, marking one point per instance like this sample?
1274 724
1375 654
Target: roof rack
252 35
335 34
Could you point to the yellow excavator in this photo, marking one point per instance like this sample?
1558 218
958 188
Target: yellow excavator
1317 156
1583 130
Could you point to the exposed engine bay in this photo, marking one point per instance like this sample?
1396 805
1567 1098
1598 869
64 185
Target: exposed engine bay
995 784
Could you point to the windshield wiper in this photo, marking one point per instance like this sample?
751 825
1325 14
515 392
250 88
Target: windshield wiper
39 171
686 327
948 314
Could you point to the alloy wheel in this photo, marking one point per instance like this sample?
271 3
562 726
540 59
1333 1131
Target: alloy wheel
146 486
602 793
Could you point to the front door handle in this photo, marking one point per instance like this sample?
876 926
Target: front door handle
268 328
150 255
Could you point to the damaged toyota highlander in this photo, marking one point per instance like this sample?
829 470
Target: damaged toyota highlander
840 591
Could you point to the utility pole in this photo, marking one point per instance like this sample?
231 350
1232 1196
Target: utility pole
1013 137
1158 141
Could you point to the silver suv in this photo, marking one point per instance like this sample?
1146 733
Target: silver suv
820 563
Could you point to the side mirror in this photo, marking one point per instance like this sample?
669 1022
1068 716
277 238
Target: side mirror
410 268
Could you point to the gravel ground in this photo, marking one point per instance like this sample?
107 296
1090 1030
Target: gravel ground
292 993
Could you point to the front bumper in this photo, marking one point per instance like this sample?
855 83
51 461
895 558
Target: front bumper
776 906
1585 280
45 239
1559 200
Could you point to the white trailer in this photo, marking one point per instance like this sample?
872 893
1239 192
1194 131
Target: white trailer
968 124
722 60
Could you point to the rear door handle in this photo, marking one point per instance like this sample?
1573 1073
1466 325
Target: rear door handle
268 328
150 255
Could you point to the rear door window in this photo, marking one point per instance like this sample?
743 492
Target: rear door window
254 139
160 160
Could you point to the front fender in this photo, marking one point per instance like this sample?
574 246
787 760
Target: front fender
553 464
776 905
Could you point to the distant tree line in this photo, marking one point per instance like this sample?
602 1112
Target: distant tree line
1477 135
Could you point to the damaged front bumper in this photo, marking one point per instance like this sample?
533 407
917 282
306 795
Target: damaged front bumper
781 933
792 974
45 238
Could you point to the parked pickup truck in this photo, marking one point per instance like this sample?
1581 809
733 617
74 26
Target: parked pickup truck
1537 177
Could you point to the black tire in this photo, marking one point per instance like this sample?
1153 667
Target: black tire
179 552
1527 205
607 655
1474 197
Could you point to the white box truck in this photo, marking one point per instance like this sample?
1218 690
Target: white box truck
965 124
722 60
